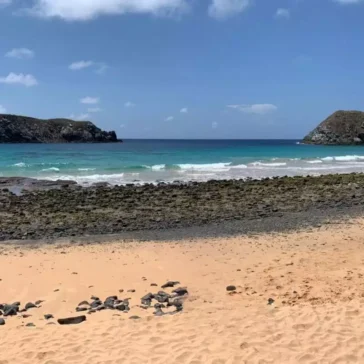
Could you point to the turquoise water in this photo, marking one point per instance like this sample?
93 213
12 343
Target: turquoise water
139 161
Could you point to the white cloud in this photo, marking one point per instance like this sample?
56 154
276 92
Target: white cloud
90 100
87 9
20 53
184 110
80 117
76 66
2 108
169 118
94 109
283 13
260 109
221 9
20 79
129 104
214 125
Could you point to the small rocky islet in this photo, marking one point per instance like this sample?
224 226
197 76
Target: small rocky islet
340 128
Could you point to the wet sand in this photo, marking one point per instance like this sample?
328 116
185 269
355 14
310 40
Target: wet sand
315 278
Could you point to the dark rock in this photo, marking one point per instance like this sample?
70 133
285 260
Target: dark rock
38 302
162 297
110 302
96 303
84 303
48 316
170 284
270 301
16 304
30 305
154 285
120 307
134 317
111 298
131 290
10 310
158 312
180 291
2 322
101 307
94 298
81 309
159 305
231 288
340 128
72 320
147 299
178 305
30 324
22 129
51 323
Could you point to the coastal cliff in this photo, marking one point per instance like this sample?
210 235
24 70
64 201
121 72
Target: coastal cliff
340 128
23 129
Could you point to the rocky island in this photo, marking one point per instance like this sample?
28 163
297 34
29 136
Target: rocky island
340 128
23 129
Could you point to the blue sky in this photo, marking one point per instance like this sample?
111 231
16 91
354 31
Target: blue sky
183 68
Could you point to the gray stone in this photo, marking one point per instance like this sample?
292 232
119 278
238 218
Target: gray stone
48 316
170 284
2 322
30 305
10 310
180 291
231 288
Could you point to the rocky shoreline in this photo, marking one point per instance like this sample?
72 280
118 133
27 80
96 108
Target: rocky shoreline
67 210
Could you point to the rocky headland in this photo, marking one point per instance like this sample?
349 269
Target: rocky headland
340 128
23 129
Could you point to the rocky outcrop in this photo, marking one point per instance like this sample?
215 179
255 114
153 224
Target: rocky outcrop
341 128
22 129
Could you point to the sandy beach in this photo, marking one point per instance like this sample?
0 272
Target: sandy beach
314 276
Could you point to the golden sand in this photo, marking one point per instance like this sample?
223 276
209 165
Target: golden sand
315 277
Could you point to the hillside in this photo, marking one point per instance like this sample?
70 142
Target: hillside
23 129
340 128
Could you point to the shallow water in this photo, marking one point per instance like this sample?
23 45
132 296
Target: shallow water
139 161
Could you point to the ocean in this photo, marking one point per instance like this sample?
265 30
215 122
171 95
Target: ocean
152 161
